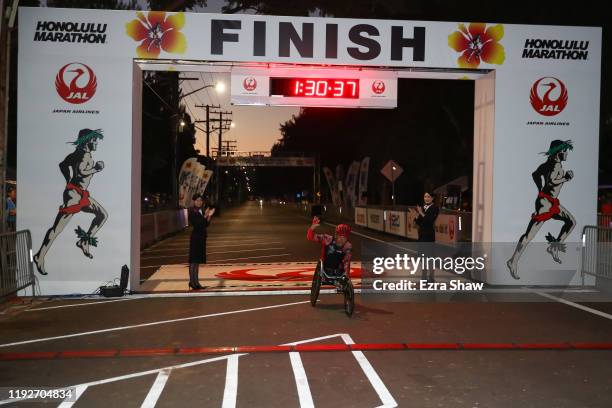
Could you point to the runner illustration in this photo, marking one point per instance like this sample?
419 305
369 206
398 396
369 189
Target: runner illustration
549 177
77 168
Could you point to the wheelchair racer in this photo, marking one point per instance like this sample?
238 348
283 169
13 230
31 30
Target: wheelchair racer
335 250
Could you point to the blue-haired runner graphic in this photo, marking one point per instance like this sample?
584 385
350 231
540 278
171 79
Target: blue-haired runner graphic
77 168
549 177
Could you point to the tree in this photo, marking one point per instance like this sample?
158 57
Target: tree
177 5
95 4
430 135
160 5
162 112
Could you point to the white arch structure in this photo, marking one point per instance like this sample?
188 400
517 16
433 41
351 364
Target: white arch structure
505 61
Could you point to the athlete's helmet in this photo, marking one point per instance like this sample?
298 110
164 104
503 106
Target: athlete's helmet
343 230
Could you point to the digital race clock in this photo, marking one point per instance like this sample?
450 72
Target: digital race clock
328 87
315 87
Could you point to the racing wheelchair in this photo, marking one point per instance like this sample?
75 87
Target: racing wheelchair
342 283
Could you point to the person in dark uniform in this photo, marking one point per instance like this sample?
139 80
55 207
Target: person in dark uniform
425 220
199 218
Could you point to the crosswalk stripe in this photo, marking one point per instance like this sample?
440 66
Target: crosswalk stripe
156 389
301 381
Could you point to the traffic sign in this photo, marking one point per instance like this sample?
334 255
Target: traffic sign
391 171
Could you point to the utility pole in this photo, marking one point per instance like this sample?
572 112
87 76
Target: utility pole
222 126
208 129
218 157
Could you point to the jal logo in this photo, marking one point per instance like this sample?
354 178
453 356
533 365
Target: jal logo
378 87
76 83
548 96
451 229
249 84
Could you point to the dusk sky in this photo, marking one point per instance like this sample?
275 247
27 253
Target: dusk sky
257 127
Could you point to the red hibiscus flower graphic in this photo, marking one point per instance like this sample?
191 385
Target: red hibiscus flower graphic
157 32
478 43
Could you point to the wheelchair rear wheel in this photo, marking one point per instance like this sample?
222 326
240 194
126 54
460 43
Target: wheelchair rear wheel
316 286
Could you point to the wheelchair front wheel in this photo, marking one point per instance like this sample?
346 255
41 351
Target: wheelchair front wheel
349 298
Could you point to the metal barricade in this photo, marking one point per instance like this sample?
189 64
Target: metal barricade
604 220
16 268
596 256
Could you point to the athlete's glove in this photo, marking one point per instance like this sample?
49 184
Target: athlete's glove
315 222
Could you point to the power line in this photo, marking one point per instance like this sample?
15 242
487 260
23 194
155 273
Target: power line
160 98
212 99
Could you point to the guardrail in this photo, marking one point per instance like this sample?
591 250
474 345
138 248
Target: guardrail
16 269
596 255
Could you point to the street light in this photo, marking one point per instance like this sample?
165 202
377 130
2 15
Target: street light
219 87
177 127
393 185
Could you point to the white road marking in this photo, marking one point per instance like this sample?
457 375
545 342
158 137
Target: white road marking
383 393
380 388
295 343
232 293
99 302
156 389
246 244
301 381
157 323
211 253
230 393
377 240
231 381
78 390
184 241
576 305
212 262
247 250
182 254
216 246
84 386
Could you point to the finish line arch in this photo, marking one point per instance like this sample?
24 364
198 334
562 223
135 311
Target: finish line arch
534 85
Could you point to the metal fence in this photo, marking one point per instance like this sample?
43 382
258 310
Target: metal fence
16 269
604 220
597 252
